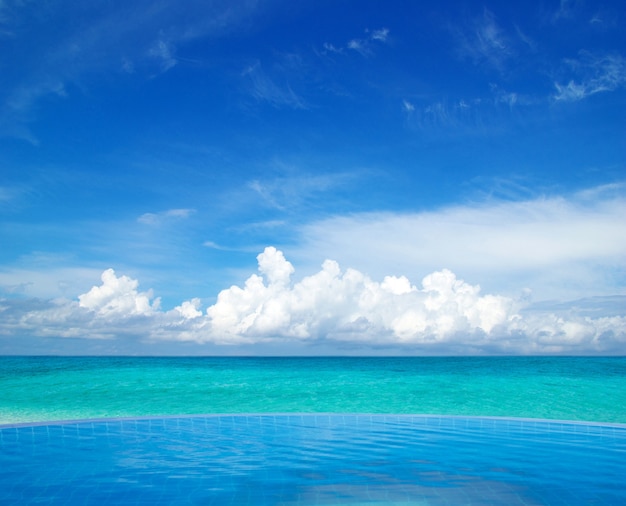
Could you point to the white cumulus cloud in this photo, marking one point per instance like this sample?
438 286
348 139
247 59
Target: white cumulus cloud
348 305
333 306
118 296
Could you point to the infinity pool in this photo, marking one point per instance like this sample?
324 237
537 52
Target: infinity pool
313 459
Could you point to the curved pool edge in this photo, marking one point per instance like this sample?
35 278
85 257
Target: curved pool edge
377 416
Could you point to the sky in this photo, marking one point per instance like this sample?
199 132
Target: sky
241 177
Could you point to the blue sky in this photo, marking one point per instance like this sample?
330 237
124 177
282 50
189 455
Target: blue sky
241 177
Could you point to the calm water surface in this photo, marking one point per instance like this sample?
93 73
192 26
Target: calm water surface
307 460
566 388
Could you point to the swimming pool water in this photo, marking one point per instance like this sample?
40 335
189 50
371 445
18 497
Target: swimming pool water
313 459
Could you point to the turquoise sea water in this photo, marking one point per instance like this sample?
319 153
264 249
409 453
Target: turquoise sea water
566 388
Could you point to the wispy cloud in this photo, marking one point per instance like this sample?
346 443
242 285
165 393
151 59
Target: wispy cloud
508 98
469 115
567 9
163 52
592 74
380 35
445 116
51 281
7 194
165 216
363 45
264 89
18 107
296 189
331 48
484 41
408 106
216 246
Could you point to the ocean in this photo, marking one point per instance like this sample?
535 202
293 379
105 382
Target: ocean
62 388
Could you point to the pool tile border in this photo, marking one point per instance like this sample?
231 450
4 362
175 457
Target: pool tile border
439 421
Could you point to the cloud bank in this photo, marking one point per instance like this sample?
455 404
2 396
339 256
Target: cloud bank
443 315
560 247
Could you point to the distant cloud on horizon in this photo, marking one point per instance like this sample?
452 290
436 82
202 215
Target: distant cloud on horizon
442 315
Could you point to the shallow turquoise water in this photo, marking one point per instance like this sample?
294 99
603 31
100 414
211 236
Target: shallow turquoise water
567 388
